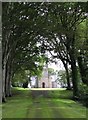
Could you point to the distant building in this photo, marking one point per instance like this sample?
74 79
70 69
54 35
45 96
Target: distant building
45 81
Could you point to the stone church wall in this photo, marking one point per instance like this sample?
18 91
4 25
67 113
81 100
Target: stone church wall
45 81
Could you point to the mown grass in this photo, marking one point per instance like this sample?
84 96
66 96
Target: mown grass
16 106
58 104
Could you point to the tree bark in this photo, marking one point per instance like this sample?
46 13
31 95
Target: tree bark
3 84
6 80
67 76
36 82
74 77
71 51
82 71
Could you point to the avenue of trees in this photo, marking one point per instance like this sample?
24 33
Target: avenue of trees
29 30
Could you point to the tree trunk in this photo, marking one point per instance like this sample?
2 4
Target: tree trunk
72 54
74 77
68 80
1 72
67 76
82 71
9 88
6 80
3 84
36 82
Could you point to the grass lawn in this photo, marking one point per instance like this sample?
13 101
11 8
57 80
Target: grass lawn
57 104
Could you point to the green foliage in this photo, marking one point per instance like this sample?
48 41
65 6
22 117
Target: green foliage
19 78
24 73
51 71
82 52
62 78
80 35
83 94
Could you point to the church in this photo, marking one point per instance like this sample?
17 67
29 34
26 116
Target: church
45 81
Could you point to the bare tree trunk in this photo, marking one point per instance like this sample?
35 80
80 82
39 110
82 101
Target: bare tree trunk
8 83
36 82
82 71
74 77
1 77
9 87
3 84
6 80
71 52
67 76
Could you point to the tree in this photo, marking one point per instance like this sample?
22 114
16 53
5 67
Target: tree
67 16
62 78
15 48
53 26
82 53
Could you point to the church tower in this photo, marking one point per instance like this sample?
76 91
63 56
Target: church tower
44 81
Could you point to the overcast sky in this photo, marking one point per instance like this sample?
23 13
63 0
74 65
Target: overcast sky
58 66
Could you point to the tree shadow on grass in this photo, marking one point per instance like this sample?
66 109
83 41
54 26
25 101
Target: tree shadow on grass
63 94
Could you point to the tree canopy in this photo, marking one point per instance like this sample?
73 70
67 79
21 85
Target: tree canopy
31 29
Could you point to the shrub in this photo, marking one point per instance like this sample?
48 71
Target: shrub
83 94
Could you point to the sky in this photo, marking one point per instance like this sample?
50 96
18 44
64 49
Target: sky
58 66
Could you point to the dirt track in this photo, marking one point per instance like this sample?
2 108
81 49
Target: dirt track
37 93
